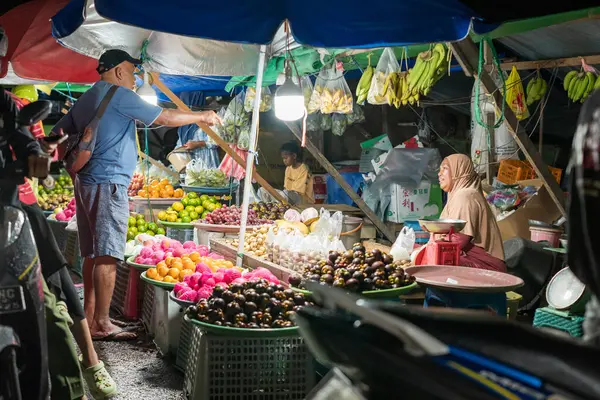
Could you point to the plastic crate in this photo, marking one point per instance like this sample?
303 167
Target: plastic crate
180 234
72 253
548 317
556 172
237 367
185 343
59 232
117 302
511 171
148 309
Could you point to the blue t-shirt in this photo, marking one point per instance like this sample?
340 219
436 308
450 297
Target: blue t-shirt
115 154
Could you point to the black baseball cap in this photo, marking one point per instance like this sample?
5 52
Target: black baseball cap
112 58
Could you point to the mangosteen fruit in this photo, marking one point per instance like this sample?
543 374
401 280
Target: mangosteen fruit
340 283
352 284
217 303
250 307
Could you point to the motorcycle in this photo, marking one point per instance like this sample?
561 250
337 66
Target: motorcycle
23 344
385 349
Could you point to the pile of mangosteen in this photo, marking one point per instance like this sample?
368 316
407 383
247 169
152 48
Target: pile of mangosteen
253 305
356 270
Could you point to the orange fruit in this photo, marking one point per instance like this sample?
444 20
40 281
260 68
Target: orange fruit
161 264
152 273
178 265
154 194
169 279
169 261
184 273
178 193
162 271
189 264
159 278
174 272
194 256
143 193
164 182
154 183
163 194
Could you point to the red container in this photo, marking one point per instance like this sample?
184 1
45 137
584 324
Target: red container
549 235
442 253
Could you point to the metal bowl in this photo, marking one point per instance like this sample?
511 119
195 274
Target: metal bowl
442 225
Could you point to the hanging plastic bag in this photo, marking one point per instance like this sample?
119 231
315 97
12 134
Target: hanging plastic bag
326 122
364 84
230 167
314 103
307 89
72 225
243 141
357 116
387 64
198 175
266 100
515 95
313 122
336 96
339 123
233 117
403 246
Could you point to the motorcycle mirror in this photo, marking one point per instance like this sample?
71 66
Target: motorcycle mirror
34 112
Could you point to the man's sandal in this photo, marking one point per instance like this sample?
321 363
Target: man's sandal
99 381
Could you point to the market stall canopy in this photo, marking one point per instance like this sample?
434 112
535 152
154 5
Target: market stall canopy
316 23
79 27
33 53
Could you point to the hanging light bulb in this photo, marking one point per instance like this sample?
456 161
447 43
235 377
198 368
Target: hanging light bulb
289 99
146 92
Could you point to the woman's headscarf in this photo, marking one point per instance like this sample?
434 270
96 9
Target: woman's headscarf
466 202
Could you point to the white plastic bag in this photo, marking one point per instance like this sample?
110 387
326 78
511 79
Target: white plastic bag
386 65
266 100
403 246
314 103
336 96
339 123
307 89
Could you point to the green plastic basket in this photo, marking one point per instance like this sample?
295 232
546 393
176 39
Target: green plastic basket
375 294
548 317
168 286
141 267
245 332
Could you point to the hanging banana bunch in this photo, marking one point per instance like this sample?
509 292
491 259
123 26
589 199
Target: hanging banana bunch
365 83
579 85
536 89
429 67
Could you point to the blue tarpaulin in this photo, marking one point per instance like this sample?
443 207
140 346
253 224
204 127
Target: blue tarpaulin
352 24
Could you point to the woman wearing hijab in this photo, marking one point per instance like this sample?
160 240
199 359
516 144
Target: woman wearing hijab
480 241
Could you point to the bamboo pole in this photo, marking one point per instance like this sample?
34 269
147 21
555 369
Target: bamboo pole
216 138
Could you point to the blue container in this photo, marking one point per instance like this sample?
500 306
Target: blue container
421 237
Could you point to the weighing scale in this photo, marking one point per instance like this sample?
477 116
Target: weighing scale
441 251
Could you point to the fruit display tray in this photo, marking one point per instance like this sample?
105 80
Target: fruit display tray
380 294
222 228
163 285
176 225
209 190
245 332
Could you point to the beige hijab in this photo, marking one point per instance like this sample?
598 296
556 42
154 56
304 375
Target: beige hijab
466 202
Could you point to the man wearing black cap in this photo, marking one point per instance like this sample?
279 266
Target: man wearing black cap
101 185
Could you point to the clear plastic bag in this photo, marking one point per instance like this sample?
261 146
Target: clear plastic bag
339 123
326 122
266 99
313 122
314 103
357 116
307 89
72 225
243 141
233 117
386 65
336 96
404 244
198 175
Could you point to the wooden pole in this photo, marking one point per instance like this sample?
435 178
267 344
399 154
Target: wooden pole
343 184
216 138
468 55
558 62
490 118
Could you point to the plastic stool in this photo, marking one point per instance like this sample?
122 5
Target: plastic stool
548 317
494 302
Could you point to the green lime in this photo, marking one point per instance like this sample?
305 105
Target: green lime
140 216
185 202
194 215
194 202
204 214
152 227
206 203
130 235
141 222
186 219
150 233
142 228
192 195
183 213
131 221
212 199
211 207
170 209
218 205
134 229
199 209
190 208
204 197
160 231
178 220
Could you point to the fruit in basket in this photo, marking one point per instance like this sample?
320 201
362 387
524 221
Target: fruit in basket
157 190
271 210
357 270
136 184
254 241
67 213
189 208
55 194
252 304
172 253
137 224
232 216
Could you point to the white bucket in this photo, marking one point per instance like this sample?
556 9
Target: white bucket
179 159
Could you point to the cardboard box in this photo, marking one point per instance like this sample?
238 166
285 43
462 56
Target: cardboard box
539 207
425 200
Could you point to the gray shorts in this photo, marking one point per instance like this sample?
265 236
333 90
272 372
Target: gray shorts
102 212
